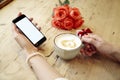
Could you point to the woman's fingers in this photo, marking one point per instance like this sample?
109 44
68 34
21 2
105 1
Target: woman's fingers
94 36
20 40
88 40
92 39
15 29
31 19
39 28
35 24
19 14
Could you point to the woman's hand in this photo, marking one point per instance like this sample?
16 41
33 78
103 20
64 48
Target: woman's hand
22 40
102 46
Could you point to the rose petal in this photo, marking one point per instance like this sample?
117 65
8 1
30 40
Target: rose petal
78 23
61 12
75 13
68 23
57 24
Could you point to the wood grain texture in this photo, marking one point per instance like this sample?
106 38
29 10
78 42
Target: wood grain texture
4 3
102 16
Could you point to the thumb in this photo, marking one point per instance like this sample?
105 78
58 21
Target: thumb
24 42
21 40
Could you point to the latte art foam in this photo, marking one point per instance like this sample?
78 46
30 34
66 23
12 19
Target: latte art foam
67 41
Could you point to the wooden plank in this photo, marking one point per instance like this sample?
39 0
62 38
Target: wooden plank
4 3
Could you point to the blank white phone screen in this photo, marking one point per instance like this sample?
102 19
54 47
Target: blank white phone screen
29 30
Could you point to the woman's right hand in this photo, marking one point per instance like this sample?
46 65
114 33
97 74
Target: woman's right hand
102 46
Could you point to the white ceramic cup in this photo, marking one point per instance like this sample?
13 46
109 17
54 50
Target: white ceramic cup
67 45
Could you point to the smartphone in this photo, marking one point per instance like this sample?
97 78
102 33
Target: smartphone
29 30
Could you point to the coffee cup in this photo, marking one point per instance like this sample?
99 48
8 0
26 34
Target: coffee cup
67 45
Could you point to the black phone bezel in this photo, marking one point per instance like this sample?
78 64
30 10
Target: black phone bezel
20 18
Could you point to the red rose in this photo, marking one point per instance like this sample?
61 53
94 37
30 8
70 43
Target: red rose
75 14
78 23
61 12
57 24
68 23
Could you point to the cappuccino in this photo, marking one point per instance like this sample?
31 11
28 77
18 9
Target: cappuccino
67 46
67 41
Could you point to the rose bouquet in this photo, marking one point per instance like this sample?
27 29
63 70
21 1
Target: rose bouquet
66 17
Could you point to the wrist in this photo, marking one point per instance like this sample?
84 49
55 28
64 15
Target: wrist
115 54
33 56
115 50
30 48
30 51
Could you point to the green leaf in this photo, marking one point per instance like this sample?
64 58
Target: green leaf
66 2
60 2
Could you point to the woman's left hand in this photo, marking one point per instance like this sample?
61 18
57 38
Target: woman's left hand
22 40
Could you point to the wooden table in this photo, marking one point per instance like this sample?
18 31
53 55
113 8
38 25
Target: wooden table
102 16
